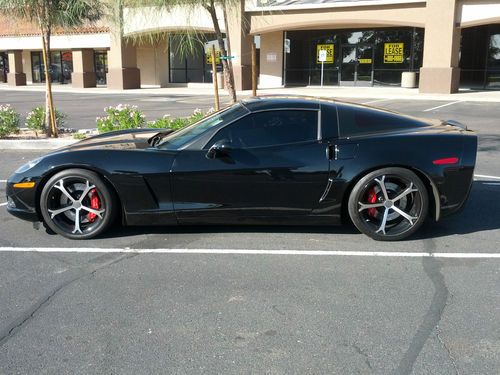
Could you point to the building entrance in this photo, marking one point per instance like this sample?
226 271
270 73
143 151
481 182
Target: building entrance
356 68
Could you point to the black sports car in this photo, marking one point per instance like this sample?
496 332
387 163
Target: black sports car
270 160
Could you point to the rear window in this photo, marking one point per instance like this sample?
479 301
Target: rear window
358 121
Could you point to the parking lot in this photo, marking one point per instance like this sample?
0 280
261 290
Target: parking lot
256 300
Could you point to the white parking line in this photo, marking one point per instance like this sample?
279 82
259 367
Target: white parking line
3 204
3 181
441 106
486 176
376 101
255 252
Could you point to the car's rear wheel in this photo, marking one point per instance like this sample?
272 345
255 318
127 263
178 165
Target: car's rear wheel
77 204
389 204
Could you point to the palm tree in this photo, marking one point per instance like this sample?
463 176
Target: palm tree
48 15
211 7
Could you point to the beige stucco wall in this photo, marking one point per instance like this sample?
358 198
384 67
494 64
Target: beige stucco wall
395 15
478 12
271 60
152 61
27 66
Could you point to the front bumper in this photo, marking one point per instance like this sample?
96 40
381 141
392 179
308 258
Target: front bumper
21 203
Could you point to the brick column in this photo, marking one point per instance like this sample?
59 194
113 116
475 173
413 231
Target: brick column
440 72
83 69
16 77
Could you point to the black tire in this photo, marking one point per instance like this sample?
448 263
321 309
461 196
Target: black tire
394 215
77 204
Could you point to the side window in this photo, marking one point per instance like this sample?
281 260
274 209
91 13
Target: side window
270 128
359 120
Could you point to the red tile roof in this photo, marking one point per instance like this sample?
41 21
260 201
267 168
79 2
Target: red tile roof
10 27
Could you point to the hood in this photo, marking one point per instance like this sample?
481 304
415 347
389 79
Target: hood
119 140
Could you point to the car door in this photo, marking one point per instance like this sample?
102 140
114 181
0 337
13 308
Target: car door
273 164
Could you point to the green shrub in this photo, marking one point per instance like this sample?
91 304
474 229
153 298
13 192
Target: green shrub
79 136
119 118
177 123
9 121
35 120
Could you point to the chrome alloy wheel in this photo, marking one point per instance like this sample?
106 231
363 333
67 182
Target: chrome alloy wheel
75 205
389 204
78 204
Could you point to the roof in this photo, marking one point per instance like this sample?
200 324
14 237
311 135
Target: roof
16 28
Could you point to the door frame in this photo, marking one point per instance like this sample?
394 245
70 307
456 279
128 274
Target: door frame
356 82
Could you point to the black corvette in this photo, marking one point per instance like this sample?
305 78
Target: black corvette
271 160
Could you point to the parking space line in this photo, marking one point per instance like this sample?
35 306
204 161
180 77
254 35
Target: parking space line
486 176
3 204
376 101
441 106
3 181
390 254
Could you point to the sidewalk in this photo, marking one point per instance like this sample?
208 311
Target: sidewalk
398 93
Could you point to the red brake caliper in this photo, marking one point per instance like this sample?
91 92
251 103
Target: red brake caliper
372 198
95 204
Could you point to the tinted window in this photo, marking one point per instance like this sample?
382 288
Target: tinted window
358 120
184 136
270 128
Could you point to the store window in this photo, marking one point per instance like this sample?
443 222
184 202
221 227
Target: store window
194 65
61 67
480 57
356 57
101 66
4 67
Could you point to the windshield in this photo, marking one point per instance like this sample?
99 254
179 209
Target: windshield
182 137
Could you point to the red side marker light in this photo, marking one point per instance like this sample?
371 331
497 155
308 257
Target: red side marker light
445 161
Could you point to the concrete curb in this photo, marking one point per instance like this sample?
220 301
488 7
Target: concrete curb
35 144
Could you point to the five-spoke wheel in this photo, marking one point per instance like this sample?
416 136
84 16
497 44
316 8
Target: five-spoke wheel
389 204
77 204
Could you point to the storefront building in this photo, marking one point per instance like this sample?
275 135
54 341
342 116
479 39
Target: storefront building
445 44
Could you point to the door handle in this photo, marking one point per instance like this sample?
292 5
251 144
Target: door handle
332 152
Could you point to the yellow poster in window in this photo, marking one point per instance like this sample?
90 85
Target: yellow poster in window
330 53
394 53
208 57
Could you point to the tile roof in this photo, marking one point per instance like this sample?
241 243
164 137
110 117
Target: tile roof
10 27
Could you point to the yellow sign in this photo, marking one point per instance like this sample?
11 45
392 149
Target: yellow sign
394 53
208 57
330 53
365 61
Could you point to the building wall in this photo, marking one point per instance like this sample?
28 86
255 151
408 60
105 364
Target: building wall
131 65
152 61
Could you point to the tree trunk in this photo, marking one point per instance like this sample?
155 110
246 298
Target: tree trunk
228 73
50 117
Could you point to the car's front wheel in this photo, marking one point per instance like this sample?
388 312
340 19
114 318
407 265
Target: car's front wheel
77 204
389 204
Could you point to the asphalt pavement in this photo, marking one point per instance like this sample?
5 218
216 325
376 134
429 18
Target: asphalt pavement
307 300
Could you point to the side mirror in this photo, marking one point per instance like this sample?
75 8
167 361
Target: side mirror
218 149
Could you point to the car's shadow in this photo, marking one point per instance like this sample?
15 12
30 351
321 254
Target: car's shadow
481 213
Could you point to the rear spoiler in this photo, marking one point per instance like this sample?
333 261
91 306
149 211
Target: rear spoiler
455 123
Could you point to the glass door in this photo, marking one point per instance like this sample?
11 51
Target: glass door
357 65
348 65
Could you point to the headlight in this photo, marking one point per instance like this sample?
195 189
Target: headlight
28 166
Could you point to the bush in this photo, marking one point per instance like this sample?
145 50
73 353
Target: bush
9 121
79 136
35 120
178 123
119 118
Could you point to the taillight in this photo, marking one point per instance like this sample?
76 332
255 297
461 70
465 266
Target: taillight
444 161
